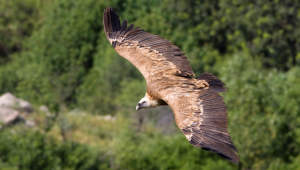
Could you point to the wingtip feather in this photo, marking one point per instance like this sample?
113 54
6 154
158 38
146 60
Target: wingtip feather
232 157
111 20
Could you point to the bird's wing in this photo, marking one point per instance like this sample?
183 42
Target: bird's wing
152 55
201 115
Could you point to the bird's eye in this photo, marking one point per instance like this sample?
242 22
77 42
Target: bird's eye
143 102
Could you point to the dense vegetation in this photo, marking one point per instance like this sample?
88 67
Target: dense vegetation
55 53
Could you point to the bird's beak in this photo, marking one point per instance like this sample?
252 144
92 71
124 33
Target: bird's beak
138 107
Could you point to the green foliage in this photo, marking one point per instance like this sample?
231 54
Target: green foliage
31 149
151 150
264 110
17 22
60 53
268 29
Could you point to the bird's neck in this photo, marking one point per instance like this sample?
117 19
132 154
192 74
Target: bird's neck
154 102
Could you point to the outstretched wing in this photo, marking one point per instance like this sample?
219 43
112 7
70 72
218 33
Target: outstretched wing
152 55
201 114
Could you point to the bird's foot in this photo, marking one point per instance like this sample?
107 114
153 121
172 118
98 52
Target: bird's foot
202 83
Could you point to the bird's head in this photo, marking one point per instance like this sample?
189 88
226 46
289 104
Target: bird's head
143 103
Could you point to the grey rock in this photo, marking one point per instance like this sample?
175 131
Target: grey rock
10 101
107 118
29 123
8 115
45 109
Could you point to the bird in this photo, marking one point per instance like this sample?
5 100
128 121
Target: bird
200 112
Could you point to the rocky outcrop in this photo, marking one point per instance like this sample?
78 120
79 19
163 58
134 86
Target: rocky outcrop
8 115
8 100
10 108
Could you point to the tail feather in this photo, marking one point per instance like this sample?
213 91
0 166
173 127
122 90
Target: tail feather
214 83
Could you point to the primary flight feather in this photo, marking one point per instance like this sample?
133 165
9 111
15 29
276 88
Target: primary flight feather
199 110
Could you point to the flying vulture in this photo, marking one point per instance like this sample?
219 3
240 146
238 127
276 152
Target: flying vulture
199 110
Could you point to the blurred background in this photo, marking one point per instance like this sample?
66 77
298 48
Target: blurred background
80 95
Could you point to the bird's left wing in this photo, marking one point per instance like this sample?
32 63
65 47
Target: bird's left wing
201 115
152 55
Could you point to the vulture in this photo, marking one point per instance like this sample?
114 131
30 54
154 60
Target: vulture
200 112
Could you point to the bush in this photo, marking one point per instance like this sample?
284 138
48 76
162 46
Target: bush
31 149
263 108
149 149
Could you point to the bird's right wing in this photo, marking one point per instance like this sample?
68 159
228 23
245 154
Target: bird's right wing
152 55
201 115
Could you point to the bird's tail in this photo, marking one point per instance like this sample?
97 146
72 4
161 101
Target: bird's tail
214 83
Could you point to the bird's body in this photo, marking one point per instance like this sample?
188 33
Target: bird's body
199 110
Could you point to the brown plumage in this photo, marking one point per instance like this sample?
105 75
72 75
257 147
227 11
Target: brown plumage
199 110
